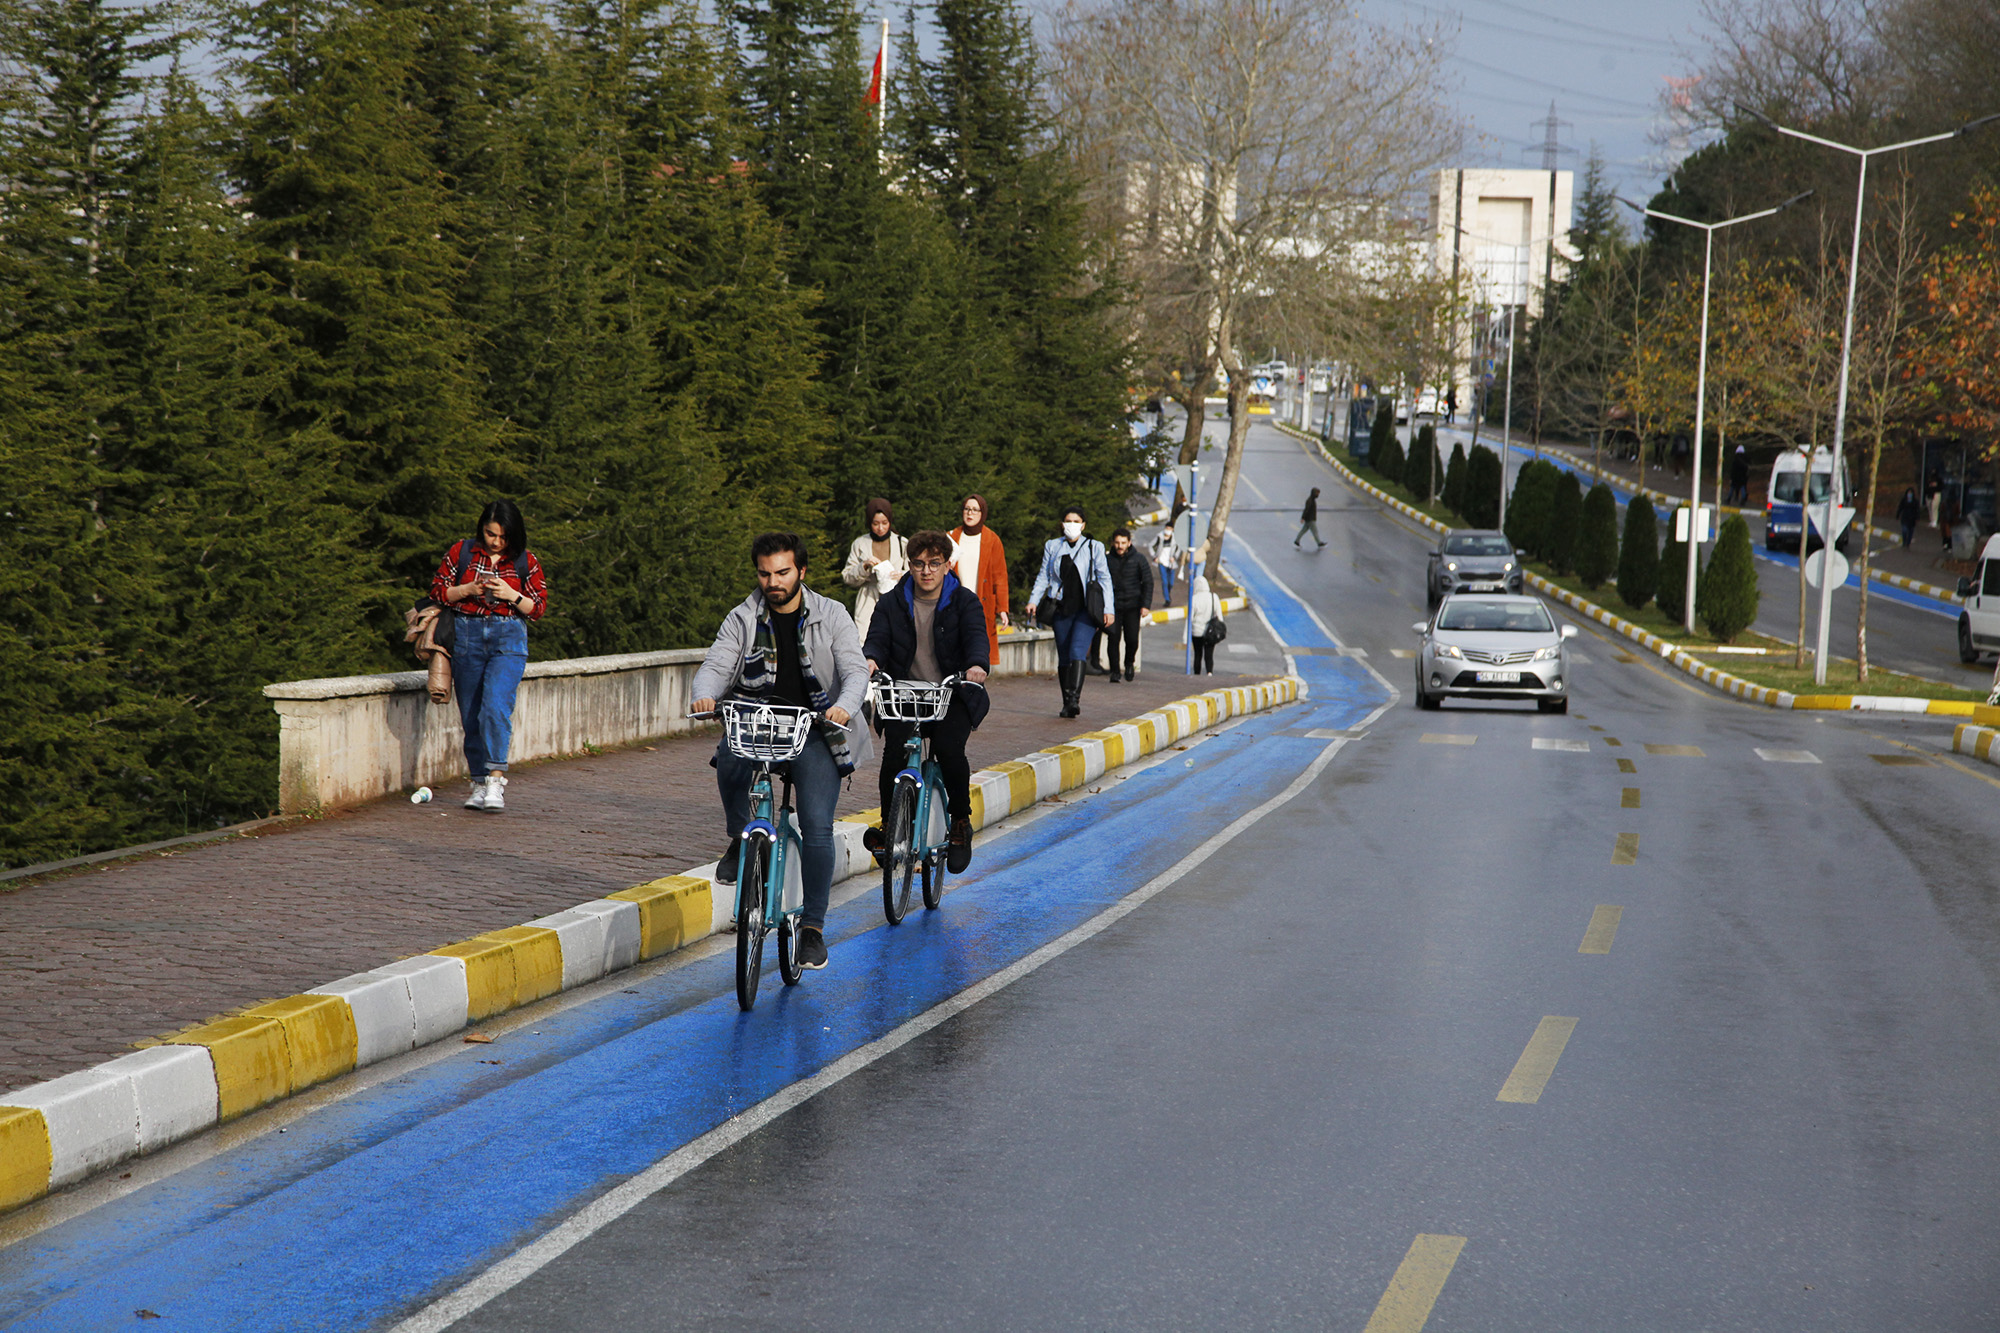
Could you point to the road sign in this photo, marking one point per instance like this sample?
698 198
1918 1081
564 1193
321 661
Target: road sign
1701 524
1816 563
1192 528
1842 516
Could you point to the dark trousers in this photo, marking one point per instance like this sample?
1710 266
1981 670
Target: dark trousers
815 791
948 736
1204 656
1126 626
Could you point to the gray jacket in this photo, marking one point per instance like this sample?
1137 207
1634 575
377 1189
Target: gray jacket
830 639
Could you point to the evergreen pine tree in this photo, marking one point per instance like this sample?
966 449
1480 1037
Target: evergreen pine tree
1565 523
1639 554
1671 592
1381 432
1728 595
1597 537
1528 507
1387 460
1482 487
1454 481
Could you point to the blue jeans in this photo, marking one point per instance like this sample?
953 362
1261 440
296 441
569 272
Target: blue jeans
815 788
1073 636
487 659
1166 585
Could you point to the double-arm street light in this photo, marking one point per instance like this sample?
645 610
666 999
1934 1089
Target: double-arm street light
1708 230
1846 344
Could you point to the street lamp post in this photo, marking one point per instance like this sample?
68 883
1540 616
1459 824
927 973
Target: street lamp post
1846 351
1708 230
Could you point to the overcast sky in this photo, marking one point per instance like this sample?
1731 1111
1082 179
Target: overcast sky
1603 64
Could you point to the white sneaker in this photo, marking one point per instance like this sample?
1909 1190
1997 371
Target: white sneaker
477 801
496 798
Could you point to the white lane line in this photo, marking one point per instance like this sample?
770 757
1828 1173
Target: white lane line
1446 738
1402 652
1239 648
1787 756
609 1207
1581 659
1551 743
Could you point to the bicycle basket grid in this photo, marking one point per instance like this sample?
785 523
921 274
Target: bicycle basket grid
767 733
911 700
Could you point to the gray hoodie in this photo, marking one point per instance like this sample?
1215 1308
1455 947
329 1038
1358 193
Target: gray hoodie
831 641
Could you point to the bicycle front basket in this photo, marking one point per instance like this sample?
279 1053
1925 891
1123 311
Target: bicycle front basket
765 733
911 700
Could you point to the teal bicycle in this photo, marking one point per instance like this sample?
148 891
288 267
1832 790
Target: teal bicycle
770 893
916 822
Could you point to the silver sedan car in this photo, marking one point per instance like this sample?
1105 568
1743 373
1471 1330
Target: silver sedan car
1494 647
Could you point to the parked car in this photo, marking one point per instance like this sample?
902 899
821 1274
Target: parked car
1493 648
1472 560
1979 619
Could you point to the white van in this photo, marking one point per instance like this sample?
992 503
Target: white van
1979 620
1794 505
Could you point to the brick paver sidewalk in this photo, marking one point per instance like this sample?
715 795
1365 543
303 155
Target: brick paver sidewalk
93 960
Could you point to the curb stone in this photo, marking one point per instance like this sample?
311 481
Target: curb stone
56 1133
1684 661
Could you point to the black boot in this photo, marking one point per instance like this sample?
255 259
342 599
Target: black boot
1072 676
1062 683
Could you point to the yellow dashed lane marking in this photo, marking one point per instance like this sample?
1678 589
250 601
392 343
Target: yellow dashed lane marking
1677 751
1419 1279
1603 928
1625 851
1446 738
1613 740
1901 760
1627 766
1629 799
1538 1062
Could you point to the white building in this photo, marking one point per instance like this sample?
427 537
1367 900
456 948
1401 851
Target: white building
1504 232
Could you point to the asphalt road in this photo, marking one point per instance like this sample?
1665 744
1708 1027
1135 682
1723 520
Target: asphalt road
1682 1019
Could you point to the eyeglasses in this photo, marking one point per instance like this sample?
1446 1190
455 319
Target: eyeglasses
928 566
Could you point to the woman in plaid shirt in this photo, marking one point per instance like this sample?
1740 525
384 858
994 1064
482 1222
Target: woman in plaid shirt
494 585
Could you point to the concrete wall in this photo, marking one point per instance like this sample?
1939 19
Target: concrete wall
349 739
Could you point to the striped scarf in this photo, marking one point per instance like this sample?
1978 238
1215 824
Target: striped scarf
760 678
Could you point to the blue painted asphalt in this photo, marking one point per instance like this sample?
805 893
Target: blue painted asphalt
375 1205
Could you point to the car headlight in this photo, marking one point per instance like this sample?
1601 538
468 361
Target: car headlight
1447 650
1507 568
1451 565
1548 654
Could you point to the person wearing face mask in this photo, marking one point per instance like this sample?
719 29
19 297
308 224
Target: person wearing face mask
980 562
876 560
1074 593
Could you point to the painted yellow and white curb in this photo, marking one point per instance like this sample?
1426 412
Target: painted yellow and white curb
56 1133
1977 741
1674 655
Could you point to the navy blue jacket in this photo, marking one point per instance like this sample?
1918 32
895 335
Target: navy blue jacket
958 631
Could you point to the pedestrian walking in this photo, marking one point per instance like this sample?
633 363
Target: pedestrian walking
1682 449
494 587
1073 595
786 644
1451 406
1131 594
980 562
1165 553
1933 494
1908 511
1739 477
876 562
1309 519
1204 621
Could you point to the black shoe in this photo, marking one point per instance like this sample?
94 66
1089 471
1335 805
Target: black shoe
958 846
725 865
1092 669
872 839
1113 677
812 949
1128 673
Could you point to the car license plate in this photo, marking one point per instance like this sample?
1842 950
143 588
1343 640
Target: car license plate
1498 678
1483 587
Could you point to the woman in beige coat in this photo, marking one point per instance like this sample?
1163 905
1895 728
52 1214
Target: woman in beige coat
875 563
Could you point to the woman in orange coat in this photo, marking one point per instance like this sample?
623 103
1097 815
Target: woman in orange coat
980 562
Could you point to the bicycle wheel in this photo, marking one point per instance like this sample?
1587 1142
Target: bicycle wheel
899 831
790 969
933 880
750 925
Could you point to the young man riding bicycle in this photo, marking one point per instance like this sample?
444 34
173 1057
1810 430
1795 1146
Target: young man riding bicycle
786 644
928 628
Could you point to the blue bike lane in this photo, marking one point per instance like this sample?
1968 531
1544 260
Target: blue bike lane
389 1198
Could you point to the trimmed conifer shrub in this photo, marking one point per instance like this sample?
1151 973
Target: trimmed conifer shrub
1422 461
1387 459
1482 488
1597 541
1381 432
1672 585
1639 555
1727 597
1454 481
1565 523
1528 507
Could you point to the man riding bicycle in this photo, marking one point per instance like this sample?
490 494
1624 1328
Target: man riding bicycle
786 644
929 627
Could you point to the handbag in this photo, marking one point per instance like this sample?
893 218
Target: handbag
1218 629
